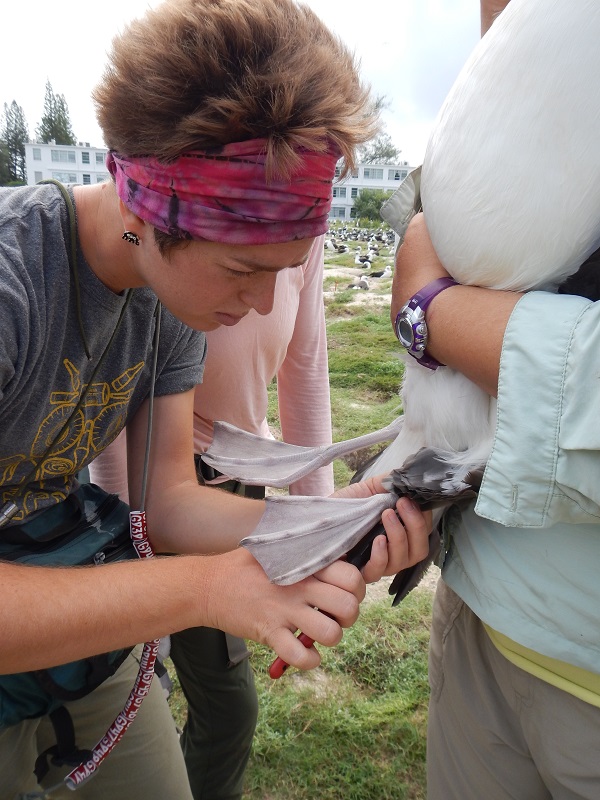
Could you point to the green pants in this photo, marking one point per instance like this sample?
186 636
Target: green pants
222 711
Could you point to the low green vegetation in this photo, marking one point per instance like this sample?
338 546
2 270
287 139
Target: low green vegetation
353 729
363 354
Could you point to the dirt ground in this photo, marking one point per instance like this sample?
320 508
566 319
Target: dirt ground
379 292
379 591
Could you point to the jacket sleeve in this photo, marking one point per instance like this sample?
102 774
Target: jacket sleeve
545 462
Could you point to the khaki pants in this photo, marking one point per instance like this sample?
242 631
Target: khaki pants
495 731
146 764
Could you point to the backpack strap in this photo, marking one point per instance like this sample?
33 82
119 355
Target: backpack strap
65 752
100 668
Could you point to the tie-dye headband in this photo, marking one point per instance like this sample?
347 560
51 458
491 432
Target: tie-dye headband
222 195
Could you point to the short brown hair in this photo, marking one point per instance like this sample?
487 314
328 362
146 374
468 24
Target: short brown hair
192 74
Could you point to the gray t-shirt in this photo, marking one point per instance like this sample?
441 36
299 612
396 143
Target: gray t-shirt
43 365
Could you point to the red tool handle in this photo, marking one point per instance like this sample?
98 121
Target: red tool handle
278 667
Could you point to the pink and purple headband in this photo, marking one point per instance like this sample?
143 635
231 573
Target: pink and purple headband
222 195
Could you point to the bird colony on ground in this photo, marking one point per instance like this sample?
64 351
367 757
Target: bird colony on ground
369 255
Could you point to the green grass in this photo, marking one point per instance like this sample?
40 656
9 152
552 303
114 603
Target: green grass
355 727
363 354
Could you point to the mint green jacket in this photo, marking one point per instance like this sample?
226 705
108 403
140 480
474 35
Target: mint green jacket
526 557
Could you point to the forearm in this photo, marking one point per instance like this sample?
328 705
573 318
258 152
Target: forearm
489 10
183 517
77 612
466 324
55 615
303 378
188 518
466 332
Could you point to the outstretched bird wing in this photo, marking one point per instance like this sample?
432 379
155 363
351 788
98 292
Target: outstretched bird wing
257 461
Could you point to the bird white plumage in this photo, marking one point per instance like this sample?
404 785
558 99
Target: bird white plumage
510 192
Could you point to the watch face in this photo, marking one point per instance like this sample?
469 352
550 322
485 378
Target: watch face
405 333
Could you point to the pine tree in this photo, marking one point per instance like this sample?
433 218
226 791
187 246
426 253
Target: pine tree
5 177
380 150
55 124
13 137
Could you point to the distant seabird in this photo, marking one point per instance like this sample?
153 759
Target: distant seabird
382 273
361 284
363 261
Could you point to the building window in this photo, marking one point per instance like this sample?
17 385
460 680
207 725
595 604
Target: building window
85 157
370 172
63 155
65 177
101 178
355 172
339 192
338 212
87 179
38 177
354 192
397 174
352 213
37 154
99 158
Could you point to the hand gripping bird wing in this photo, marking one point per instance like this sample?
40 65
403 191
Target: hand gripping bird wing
433 481
257 461
297 536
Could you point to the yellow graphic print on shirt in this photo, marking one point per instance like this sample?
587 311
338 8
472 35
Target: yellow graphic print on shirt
87 431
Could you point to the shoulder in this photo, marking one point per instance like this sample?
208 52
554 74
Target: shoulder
33 223
26 202
33 230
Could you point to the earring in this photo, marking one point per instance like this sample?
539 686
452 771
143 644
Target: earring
130 237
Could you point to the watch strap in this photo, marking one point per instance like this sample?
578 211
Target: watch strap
420 301
425 295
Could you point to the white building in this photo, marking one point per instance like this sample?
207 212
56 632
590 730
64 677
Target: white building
365 176
66 163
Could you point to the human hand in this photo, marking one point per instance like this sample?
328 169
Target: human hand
405 543
406 539
320 605
417 264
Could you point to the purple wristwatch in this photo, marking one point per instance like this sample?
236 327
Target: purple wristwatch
410 325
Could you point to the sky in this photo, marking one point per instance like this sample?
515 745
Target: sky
410 51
